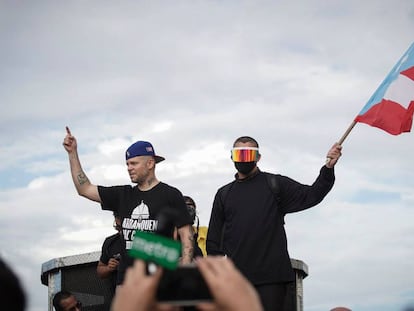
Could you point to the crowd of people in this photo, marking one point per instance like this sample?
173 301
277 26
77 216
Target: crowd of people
246 243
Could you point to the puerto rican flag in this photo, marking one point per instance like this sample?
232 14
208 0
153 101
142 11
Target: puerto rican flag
391 107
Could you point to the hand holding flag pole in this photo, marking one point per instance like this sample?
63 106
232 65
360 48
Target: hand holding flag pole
391 107
329 158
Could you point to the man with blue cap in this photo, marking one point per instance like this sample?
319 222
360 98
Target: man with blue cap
138 206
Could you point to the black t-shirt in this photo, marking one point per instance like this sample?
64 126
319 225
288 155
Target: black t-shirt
138 210
113 245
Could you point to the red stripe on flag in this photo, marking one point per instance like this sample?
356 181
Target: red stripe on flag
389 116
409 73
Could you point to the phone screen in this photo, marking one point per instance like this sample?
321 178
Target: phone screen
184 286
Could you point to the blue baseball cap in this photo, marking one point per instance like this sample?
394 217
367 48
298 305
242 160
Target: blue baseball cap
142 148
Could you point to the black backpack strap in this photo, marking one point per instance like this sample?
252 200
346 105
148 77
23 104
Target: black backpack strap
273 182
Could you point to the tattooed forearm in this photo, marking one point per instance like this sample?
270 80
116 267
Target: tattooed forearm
82 178
187 255
188 249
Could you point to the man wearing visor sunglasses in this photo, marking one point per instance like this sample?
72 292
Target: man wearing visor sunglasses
247 220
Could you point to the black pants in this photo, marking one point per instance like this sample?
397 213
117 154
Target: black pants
277 296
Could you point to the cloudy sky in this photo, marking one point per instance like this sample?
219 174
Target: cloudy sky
191 76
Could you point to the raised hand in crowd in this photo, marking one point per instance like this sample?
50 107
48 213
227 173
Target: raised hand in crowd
230 289
137 293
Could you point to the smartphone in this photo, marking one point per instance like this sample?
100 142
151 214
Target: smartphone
184 286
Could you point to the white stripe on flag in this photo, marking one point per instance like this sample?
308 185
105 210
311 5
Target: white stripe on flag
401 91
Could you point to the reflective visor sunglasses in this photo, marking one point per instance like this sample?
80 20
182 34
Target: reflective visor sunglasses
245 154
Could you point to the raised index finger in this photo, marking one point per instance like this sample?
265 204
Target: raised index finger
68 131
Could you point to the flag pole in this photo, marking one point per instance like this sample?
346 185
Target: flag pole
349 129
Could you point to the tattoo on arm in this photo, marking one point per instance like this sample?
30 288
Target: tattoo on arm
189 251
191 236
82 178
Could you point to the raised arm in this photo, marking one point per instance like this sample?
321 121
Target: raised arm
80 180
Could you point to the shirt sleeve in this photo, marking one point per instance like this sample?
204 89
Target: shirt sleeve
104 252
295 196
110 197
